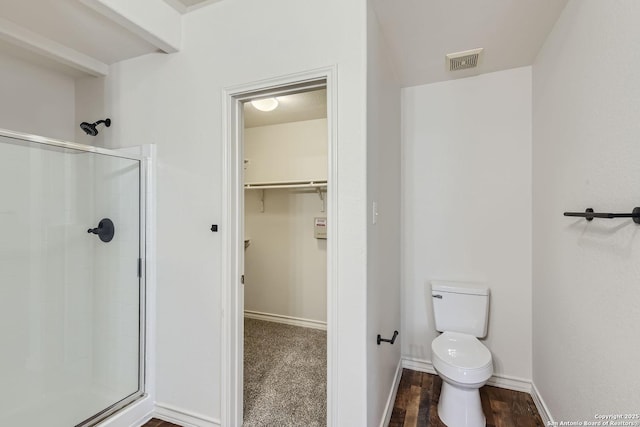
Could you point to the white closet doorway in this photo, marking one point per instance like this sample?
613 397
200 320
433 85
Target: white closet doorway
285 259
279 328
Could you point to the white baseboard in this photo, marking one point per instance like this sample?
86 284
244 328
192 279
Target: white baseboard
510 383
542 407
183 417
502 381
419 365
386 416
287 320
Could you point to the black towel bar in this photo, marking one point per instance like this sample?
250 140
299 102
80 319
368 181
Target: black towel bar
392 340
589 214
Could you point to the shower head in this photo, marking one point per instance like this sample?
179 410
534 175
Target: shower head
89 128
92 128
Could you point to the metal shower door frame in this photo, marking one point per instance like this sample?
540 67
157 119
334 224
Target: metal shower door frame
143 177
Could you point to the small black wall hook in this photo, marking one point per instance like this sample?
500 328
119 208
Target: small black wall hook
391 341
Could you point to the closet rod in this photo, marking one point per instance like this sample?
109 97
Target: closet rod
299 185
589 214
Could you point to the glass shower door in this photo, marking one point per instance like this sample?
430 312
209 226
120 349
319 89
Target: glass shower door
70 299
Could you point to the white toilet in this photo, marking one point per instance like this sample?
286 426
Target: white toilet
461 312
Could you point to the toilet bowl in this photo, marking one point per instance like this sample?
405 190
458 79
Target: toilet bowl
461 313
465 365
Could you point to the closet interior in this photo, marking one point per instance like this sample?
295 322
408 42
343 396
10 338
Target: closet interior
285 259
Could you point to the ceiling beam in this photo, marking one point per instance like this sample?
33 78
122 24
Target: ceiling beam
152 20
181 7
27 39
177 5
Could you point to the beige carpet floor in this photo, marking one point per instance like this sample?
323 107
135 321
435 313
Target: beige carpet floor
285 375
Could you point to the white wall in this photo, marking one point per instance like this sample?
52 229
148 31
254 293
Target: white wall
383 238
175 101
91 106
467 207
286 152
585 275
285 266
36 100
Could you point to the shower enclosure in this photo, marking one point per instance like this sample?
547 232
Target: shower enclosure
72 303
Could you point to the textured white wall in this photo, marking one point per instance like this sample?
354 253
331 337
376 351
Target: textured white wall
91 106
36 100
467 207
383 238
175 101
285 266
286 152
586 280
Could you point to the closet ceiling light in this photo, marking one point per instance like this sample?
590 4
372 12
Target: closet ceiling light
267 104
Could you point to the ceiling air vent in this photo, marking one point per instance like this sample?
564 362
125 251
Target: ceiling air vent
463 60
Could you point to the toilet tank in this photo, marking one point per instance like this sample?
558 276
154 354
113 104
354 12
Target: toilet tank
460 307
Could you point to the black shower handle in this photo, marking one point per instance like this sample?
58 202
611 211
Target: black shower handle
105 230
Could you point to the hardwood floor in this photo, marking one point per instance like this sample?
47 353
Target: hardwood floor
417 404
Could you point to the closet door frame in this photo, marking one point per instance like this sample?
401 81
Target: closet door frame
233 233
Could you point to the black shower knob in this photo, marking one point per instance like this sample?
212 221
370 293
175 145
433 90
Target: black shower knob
105 230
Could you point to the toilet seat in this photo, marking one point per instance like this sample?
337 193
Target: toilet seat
462 358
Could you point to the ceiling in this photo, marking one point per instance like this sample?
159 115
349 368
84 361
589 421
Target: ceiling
421 32
291 108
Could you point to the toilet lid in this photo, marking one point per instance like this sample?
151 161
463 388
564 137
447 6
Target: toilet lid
461 351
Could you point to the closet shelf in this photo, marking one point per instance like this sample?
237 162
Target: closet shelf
319 186
296 184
